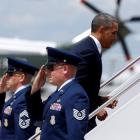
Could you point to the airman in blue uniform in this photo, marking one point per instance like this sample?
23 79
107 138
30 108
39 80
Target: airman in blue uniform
17 119
65 115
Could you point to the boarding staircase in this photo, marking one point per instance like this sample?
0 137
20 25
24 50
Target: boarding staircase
123 121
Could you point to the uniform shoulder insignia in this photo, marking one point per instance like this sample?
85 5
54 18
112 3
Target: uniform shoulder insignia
24 120
79 115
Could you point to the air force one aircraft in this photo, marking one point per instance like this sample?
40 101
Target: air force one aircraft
34 51
18 46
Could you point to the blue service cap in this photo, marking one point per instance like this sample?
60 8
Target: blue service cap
61 56
20 65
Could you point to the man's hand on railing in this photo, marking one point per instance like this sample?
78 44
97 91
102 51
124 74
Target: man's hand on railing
111 105
102 115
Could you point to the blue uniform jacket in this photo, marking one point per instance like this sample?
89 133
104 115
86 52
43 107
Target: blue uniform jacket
17 121
66 114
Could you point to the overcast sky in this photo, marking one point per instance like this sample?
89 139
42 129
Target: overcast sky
55 20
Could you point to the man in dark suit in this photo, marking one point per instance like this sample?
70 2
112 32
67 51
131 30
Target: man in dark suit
18 121
65 115
104 28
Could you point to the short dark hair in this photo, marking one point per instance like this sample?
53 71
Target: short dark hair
102 19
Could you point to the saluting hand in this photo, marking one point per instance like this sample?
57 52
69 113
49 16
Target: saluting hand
39 80
3 83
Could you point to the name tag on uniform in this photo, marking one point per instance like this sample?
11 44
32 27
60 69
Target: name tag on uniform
8 110
0 123
5 122
56 106
52 120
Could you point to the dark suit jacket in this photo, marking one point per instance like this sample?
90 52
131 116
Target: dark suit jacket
89 70
66 114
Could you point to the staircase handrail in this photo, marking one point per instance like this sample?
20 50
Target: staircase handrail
127 85
118 73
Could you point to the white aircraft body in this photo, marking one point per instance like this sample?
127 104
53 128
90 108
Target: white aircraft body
21 46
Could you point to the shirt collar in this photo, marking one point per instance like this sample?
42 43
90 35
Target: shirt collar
66 82
20 88
98 44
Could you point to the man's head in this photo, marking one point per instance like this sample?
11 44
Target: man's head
61 65
105 27
19 73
